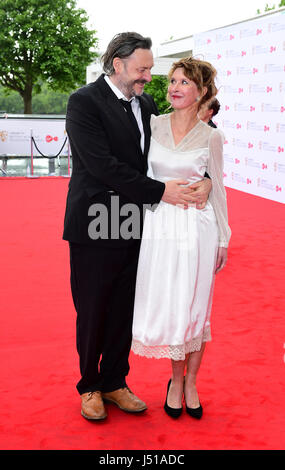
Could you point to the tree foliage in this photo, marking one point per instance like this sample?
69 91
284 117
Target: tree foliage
157 88
46 102
268 8
43 41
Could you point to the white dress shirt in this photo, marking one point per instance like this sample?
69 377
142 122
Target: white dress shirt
136 108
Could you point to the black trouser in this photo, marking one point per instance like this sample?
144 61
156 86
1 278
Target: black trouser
103 287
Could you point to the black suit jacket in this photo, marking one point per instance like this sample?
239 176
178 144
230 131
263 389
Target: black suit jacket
106 156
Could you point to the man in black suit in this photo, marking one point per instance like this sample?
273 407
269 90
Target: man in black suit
109 144
209 110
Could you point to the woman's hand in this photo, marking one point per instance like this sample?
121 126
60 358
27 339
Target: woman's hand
222 257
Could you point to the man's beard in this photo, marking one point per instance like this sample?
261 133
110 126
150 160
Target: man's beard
128 88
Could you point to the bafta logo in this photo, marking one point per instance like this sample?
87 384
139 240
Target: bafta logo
3 135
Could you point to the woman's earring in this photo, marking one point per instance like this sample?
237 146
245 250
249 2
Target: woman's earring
198 98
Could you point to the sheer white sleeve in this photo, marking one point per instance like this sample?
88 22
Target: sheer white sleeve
218 197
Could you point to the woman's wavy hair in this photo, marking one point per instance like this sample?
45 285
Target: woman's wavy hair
200 72
123 45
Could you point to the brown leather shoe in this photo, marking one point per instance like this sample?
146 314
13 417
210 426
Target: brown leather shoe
92 406
125 400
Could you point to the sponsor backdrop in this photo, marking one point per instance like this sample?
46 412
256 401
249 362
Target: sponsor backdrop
250 60
15 136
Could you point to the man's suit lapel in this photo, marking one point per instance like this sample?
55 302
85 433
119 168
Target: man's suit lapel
146 124
117 109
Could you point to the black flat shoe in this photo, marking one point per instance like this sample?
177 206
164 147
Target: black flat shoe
173 412
195 412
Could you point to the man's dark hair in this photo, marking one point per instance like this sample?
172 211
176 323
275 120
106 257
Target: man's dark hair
215 106
122 46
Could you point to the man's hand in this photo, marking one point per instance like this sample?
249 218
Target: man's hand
201 191
178 193
222 257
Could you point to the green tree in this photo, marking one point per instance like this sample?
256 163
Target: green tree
50 102
10 103
268 8
43 41
157 88
45 102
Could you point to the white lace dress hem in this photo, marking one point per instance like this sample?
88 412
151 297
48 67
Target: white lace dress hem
175 352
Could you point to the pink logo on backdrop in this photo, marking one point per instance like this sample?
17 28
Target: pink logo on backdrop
49 138
248 181
219 56
238 126
280 149
254 71
226 142
209 41
225 175
229 72
231 37
266 128
269 89
227 107
243 53
258 31
278 188
240 90
282 109
250 146
263 166
237 161
252 108
272 49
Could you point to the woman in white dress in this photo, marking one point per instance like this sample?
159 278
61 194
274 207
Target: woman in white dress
182 248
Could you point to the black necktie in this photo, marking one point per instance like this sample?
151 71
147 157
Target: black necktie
128 107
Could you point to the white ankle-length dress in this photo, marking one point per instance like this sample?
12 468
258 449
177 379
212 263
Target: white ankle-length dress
175 275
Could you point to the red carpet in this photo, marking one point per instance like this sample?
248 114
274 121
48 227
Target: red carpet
241 381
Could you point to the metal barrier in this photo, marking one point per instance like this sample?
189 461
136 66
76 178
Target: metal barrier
50 157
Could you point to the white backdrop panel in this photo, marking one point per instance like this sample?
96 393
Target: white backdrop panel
250 60
15 136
